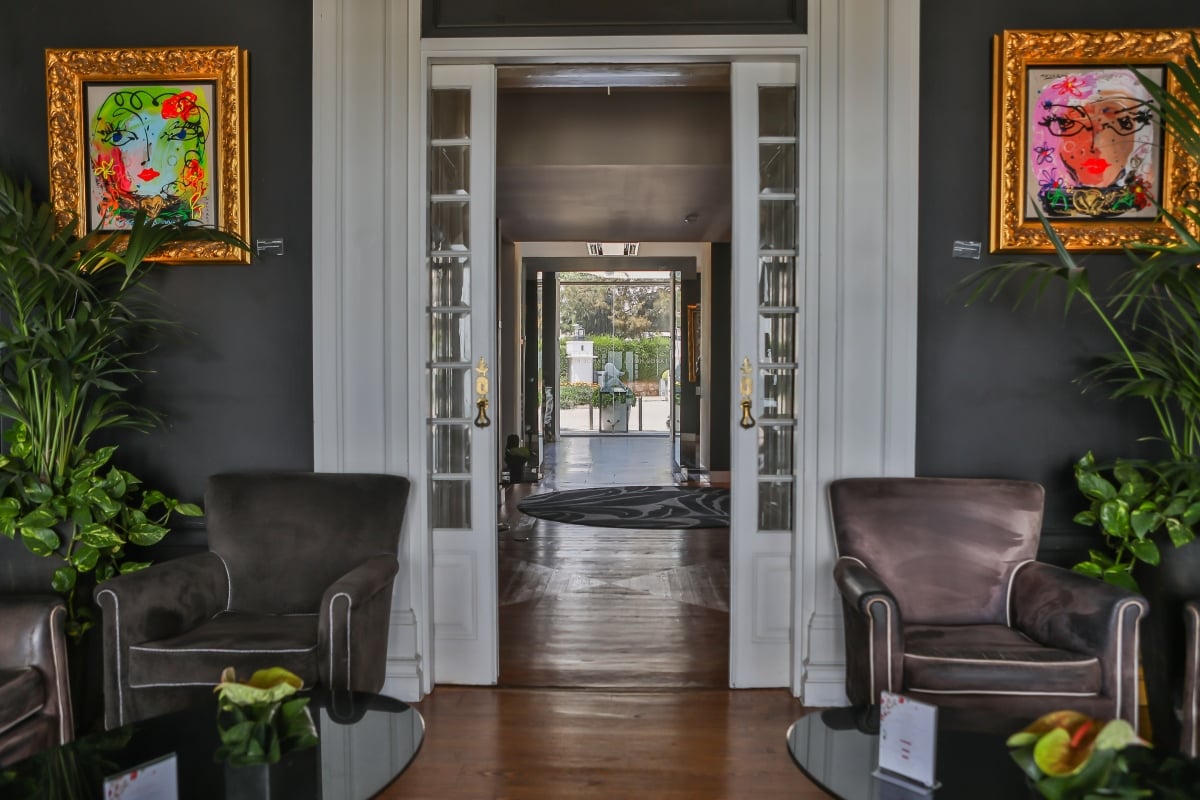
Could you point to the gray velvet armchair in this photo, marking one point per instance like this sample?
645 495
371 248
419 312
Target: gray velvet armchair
35 696
943 600
299 574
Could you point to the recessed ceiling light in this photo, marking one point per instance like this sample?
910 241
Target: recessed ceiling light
612 248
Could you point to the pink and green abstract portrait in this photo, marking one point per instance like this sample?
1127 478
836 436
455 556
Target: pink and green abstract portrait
1094 144
149 149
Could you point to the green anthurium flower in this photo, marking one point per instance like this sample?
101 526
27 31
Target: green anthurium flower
1065 751
1068 754
265 686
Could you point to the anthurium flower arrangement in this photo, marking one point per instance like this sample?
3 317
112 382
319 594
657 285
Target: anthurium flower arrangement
256 720
1070 755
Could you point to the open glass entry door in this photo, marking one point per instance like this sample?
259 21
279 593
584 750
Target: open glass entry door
460 256
767 356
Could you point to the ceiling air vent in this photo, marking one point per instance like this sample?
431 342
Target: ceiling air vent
612 248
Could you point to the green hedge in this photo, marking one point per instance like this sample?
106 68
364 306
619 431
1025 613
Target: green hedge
653 356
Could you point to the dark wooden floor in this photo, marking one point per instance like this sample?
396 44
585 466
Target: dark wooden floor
584 607
614 663
558 744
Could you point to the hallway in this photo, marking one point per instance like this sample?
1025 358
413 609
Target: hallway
586 607
614 649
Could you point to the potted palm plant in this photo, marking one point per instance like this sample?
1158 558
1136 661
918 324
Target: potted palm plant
74 319
1145 510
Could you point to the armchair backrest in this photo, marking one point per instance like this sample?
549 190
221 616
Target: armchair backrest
945 547
286 536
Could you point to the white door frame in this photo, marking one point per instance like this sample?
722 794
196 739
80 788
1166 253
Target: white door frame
369 78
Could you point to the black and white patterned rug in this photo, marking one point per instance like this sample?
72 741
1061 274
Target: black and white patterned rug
650 507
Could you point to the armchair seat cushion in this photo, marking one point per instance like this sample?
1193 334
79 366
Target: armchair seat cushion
245 641
22 694
993 659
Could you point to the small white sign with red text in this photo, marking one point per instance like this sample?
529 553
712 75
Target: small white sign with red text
907 739
154 780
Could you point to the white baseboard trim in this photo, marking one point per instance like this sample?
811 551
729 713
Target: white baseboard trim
824 686
403 679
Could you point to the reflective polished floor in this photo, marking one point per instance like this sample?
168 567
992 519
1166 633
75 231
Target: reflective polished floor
614 668
587 607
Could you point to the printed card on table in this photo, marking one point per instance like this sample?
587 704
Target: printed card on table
907 740
154 780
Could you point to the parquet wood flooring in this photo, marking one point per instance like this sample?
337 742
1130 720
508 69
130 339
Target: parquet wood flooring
585 607
562 745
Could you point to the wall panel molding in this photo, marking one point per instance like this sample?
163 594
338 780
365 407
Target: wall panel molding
448 18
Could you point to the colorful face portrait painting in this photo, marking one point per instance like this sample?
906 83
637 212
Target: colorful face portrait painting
149 148
1094 144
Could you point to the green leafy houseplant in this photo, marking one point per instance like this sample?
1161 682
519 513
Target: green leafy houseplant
1067 755
255 720
74 319
1153 318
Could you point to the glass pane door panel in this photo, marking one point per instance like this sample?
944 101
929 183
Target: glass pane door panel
449 336
777 281
449 169
775 506
450 503
777 167
450 449
450 281
776 223
777 111
451 392
777 339
450 114
778 393
775 449
448 223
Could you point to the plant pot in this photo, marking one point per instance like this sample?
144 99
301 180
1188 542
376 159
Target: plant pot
516 468
294 775
1167 586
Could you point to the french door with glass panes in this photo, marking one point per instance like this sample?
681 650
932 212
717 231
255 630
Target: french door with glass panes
768 271
460 259
766 379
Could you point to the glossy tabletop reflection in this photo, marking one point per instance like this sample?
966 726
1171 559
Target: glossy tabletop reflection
839 749
366 741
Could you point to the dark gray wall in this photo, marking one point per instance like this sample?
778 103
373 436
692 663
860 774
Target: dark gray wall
235 383
996 387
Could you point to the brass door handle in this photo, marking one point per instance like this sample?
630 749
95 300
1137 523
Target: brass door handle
747 391
482 385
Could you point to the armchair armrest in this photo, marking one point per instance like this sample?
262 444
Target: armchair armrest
1189 739
353 626
874 632
1068 610
155 603
31 635
165 599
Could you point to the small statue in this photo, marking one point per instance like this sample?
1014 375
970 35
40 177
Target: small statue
611 378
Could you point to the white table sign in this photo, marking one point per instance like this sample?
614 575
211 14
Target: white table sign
154 780
907 741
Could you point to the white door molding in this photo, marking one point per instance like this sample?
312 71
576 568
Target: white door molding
860 326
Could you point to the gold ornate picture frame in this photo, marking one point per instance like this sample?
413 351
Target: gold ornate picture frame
159 130
1073 133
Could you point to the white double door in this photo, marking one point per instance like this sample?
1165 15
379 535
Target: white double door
459 284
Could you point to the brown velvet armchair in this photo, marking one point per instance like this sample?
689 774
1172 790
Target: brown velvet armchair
35 696
944 601
1190 739
299 574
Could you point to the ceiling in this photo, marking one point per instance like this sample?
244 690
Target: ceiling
617 153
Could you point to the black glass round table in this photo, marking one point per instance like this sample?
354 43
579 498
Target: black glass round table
365 742
839 749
